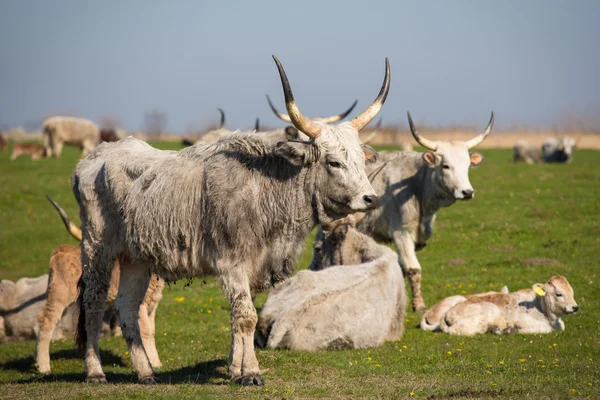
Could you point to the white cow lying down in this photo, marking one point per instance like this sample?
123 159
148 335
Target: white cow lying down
536 310
358 305
20 304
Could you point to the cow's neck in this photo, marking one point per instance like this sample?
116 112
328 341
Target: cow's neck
552 318
432 197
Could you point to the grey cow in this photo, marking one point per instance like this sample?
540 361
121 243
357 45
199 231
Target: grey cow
412 188
558 150
239 208
356 300
526 152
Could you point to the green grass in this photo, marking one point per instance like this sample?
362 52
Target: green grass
525 224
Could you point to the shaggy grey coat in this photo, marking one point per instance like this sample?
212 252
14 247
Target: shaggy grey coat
239 208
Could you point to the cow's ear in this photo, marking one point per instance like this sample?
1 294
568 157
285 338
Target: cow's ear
371 155
539 289
430 158
476 159
291 133
297 153
339 233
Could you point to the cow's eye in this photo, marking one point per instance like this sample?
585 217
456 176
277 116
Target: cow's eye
333 164
446 166
559 294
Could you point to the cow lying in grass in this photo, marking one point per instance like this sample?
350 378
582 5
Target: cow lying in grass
35 150
432 318
536 310
356 300
20 303
62 293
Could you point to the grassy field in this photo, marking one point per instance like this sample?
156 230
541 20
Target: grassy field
525 224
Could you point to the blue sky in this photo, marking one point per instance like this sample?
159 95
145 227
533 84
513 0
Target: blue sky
452 61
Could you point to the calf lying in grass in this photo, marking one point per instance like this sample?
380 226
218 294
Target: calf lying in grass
430 321
65 271
536 310
35 150
358 304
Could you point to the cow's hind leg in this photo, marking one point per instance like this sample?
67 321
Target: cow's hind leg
243 363
132 289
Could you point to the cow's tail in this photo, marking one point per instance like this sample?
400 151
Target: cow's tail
81 333
71 228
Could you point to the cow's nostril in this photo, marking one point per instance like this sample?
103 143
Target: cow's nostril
468 194
371 200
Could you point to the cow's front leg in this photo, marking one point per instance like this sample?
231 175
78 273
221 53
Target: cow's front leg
243 364
410 266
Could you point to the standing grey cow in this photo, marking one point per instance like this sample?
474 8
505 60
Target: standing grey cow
526 152
239 208
412 188
79 132
558 150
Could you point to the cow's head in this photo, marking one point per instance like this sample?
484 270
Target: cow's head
452 161
341 183
339 243
557 295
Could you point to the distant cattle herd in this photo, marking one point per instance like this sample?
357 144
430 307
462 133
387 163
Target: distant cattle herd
239 206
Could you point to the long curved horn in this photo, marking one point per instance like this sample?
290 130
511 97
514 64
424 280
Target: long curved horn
480 138
303 124
256 125
373 134
280 115
367 116
222 124
71 228
423 141
339 117
325 120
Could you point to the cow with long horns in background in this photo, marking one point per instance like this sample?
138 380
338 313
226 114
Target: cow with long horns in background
240 208
210 136
412 187
290 132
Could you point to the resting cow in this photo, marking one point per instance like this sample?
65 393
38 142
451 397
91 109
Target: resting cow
430 321
62 293
355 299
35 150
536 310
526 152
558 150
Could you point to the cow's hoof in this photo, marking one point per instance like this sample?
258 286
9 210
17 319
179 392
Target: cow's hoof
96 379
419 307
44 371
149 380
250 380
